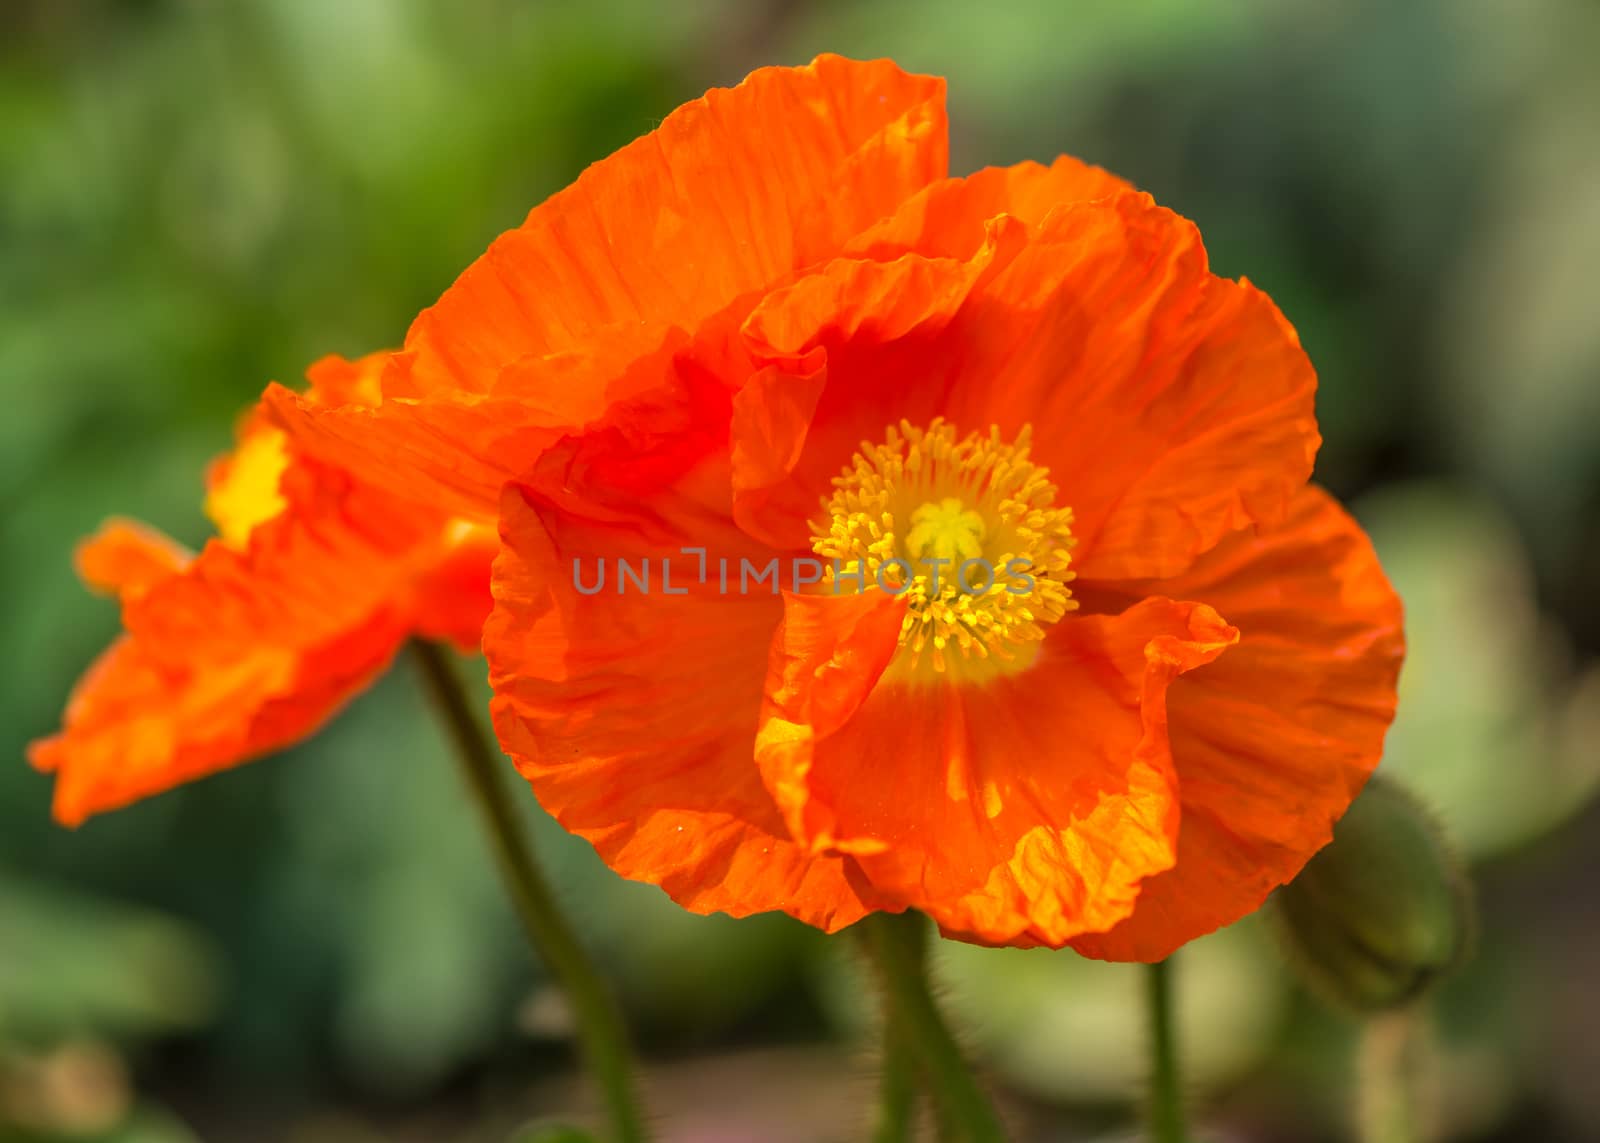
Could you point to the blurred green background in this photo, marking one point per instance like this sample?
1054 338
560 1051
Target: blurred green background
198 197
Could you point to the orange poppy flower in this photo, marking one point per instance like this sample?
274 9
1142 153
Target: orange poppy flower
773 341
313 583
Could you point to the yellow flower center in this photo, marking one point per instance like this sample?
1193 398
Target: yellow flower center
968 531
948 530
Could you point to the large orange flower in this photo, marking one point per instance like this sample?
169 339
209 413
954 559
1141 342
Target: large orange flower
311 586
773 330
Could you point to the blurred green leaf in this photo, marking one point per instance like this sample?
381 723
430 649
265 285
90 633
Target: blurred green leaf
1066 1028
1479 734
73 965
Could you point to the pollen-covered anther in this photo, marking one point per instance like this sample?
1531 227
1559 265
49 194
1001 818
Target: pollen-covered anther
966 529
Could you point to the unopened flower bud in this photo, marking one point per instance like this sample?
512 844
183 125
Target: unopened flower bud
1383 910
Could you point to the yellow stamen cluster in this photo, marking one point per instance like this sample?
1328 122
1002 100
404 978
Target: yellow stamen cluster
967 530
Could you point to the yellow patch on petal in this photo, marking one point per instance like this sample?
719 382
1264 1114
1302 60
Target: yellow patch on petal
245 491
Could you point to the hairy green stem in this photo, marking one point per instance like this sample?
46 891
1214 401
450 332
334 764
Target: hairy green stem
895 944
1166 1091
896 1120
601 1034
1390 1069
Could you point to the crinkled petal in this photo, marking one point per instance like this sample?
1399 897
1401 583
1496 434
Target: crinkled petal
1274 740
338 551
936 249
454 451
948 218
845 353
240 651
139 725
1170 406
1026 810
632 714
732 193
127 559
334 380
956 232
450 591
730 196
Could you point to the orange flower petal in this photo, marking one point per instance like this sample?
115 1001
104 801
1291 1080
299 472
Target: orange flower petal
733 192
335 380
846 352
338 550
1274 740
1170 406
456 451
959 231
632 716
137 725
452 589
652 241
1027 810
243 650
947 219
127 559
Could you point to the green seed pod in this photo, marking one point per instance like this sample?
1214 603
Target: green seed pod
1383 911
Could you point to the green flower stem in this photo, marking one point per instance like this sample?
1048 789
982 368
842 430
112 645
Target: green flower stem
1387 1106
899 1083
1166 1092
600 1030
897 1092
895 944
